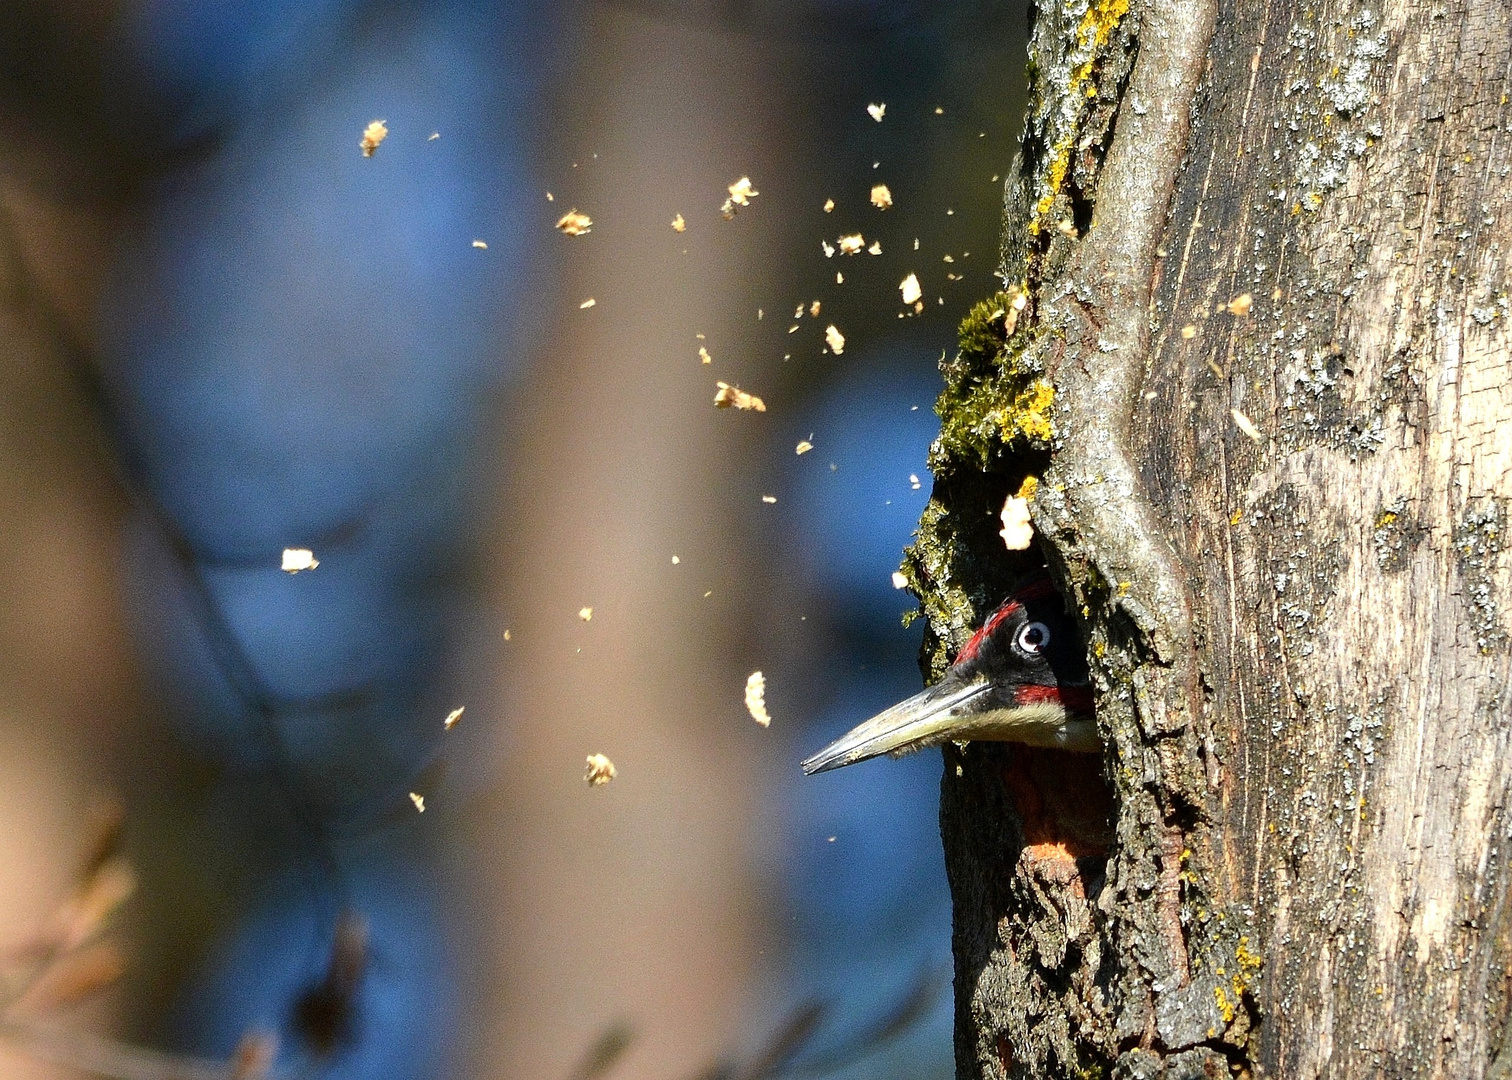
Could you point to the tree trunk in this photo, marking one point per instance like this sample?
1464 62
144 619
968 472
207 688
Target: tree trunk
1253 353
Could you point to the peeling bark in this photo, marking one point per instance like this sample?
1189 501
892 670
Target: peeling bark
1287 862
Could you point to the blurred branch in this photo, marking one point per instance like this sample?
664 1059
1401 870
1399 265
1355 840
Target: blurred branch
101 1056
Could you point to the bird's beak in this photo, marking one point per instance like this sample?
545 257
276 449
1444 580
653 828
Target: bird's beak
921 720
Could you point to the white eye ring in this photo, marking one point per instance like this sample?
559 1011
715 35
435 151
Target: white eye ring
1032 638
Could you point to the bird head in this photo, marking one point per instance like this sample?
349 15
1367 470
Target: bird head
1022 677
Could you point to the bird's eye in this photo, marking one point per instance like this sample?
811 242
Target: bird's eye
1032 638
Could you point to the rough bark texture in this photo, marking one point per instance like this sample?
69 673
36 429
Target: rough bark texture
1289 218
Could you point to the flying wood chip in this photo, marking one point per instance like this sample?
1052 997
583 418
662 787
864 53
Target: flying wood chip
456 714
852 244
755 699
1017 532
877 112
741 194
733 397
834 339
881 198
1241 304
372 136
1246 425
911 289
600 770
679 225
575 224
297 559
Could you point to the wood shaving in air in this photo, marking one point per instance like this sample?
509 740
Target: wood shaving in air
586 614
600 770
834 339
852 244
418 800
1246 425
734 397
678 224
881 198
372 136
297 559
1241 304
741 194
456 714
575 224
877 112
755 699
1017 532
911 289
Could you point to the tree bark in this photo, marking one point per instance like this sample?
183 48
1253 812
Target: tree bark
1250 365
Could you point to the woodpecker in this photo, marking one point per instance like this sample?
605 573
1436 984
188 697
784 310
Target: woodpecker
1021 678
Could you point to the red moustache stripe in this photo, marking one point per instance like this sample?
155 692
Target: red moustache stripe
1071 698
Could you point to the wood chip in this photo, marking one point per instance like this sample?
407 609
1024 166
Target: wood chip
418 800
373 136
1188 331
586 614
911 289
703 355
600 770
575 224
729 397
898 580
480 245
1241 304
852 244
297 559
877 112
456 714
803 447
1246 425
834 339
741 194
829 204
755 699
588 303
881 198
1017 532
678 224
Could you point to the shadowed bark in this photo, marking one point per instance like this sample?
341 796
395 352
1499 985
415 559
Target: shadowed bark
1252 354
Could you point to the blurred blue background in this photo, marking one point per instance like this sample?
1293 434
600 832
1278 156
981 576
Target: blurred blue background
242 335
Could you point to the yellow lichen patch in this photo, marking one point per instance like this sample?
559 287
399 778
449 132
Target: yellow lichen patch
1092 34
